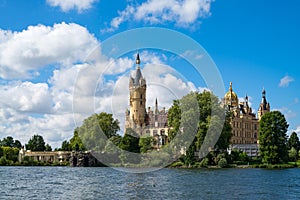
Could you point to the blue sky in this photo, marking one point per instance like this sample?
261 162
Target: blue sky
44 44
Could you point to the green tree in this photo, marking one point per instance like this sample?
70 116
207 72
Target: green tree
174 116
65 146
96 129
1 151
130 141
10 153
293 141
17 144
10 142
189 158
3 161
145 144
116 140
273 138
36 143
76 143
208 115
48 147
293 154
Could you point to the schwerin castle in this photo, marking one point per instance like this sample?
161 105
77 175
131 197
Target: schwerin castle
148 122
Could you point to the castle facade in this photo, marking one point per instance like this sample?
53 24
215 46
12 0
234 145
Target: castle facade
244 122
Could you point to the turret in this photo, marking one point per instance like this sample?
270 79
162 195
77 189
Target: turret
264 106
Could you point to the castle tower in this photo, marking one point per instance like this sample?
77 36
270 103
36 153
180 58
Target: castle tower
231 100
137 87
264 106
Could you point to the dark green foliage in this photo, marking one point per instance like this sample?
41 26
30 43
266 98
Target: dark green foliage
238 157
65 146
116 140
208 115
273 138
10 153
36 143
145 144
17 144
293 142
76 142
48 147
174 116
204 162
189 158
222 163
10 142
96 129
293 154
130 141
3 161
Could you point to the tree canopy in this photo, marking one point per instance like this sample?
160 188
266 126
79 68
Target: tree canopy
10 142
203 109
273 138
93 133
36 143
293 142
130 141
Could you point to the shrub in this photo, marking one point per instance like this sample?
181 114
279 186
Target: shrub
3 161
222 163
177 164
204 162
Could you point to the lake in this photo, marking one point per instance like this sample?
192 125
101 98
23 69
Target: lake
108 183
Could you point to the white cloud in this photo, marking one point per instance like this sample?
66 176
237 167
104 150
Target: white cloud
66 5
38 46
193 54
287 112
285 81
46 108
26 97
183 13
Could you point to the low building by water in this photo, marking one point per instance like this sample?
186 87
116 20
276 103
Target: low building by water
75 158
45 156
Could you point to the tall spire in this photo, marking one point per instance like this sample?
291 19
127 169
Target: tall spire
138 74
230 87
264 92
138 61
264 100
156 107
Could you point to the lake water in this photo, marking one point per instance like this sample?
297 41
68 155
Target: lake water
107 183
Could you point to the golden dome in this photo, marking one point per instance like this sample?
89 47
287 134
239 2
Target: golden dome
231 98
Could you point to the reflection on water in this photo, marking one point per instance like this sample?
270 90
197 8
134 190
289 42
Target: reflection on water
107 183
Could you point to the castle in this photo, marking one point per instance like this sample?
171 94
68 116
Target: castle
244 122
154 123
145 122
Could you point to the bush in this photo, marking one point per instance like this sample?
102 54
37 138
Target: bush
222 163
3 161
177 164
204 162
